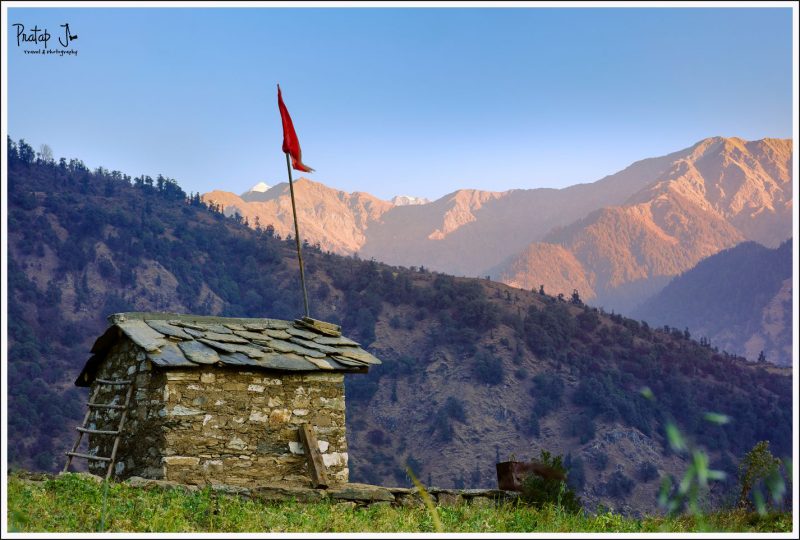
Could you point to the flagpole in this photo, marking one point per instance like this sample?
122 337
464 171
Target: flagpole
297 236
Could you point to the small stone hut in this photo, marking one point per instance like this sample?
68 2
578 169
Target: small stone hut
221 400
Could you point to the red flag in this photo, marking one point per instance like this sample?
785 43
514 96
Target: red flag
290 142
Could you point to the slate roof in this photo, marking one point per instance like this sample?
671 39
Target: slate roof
184 341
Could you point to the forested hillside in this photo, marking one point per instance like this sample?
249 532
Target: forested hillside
473 370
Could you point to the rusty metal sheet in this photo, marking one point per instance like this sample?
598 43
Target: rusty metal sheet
141 334
198 352
163 327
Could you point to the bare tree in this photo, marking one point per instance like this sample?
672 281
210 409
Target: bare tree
46 153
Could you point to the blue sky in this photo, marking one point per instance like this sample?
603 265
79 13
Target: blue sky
390 101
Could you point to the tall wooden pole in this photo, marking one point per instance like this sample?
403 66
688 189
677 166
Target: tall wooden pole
297 236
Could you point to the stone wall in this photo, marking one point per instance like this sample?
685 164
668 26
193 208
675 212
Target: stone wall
224 425
241 427
142 443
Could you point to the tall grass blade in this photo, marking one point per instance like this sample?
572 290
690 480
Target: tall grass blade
437 523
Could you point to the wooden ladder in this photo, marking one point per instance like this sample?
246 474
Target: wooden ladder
91 405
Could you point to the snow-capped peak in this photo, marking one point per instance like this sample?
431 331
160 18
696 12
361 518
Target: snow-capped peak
261 187
407 200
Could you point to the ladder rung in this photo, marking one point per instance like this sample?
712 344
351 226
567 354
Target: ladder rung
88 456
98 431
106 381
104 406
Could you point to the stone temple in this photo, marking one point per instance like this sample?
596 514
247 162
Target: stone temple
219 400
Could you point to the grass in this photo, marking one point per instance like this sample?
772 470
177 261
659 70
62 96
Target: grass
73 503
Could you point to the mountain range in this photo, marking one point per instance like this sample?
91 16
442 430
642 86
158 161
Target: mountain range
474 370
617 241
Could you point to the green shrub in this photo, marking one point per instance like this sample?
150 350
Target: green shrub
758 469
582 426
647 471
538 491
487 369
619 485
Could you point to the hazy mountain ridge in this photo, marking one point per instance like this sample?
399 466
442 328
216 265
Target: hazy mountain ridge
469 232
690 203
334 219
466 232
716 194
740 299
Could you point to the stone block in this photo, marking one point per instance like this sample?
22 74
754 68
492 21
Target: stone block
296 448
316 378
335 459
360 492
207 377
213 466
230 489
181 460
259 416
255 388
279 416
410 501
180 410
449 499
335 403
236 443
288 493
173 375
